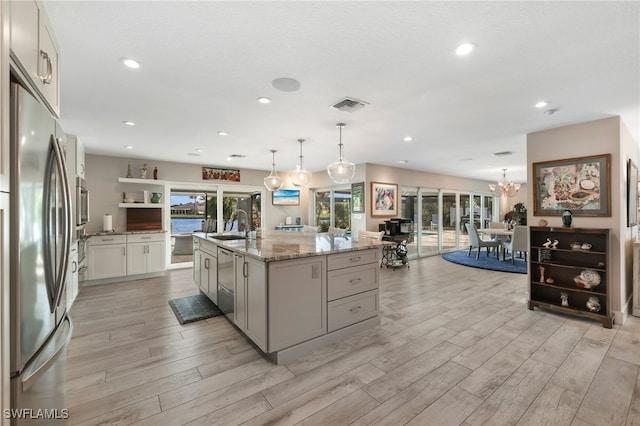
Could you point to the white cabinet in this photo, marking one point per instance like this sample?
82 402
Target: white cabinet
107 257
72 276
255 302
145 253
35 50
297 301
209 272
75 157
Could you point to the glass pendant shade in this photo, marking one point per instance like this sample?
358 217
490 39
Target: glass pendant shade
505 187
273 181
300 177
341 171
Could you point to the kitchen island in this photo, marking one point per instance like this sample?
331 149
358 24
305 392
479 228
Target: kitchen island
291 293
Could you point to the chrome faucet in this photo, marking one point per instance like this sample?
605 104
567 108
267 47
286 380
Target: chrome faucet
242 224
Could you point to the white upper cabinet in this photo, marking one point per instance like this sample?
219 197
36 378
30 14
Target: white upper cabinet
75 156
35 50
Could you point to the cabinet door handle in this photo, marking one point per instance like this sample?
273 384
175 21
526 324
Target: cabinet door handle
75 267
145 238
355 259
245 269
206 263
355 280
107 239
355 309
124 251
46 79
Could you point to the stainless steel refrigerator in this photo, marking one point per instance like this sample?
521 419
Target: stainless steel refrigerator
40 240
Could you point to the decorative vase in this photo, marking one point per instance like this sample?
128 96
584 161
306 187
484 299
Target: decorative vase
567 217
564 298
155 197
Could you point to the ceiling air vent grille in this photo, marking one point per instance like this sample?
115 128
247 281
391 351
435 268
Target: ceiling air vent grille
502 153
349 105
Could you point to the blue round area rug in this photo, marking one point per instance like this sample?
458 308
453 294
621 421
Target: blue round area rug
491 263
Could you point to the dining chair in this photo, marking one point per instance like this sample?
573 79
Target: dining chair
434 221
519 242
370 235
310 229
476 241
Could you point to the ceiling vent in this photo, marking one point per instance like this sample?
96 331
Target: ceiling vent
349 105
502 153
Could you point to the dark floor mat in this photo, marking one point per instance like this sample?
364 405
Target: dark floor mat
194 308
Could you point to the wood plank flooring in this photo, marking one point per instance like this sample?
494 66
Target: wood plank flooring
457 346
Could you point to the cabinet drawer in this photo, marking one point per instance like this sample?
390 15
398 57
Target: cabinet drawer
354 258
99 240
145 238
352 309
209 247
349 281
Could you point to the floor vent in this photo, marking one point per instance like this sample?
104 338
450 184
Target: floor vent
349 104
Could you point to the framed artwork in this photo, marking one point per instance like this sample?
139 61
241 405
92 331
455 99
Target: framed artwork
357 197
582 185
632 193
215 173
286 197
384 199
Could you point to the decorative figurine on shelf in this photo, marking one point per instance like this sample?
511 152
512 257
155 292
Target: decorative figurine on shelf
129 174
567 217
541 268
547 244
155 173
143 171
555 244
564 298
593 304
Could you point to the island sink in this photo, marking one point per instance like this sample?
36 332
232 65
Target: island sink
228 237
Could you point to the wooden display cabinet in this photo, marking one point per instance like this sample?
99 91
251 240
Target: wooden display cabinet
553 271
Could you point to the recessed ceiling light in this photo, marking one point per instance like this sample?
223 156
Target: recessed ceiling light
286 84
198 150
402 161
541 104
129 123
229 158
465 49
128 146
408 139
131 63
264 100
221 133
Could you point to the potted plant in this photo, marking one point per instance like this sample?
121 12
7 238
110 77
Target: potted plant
520 213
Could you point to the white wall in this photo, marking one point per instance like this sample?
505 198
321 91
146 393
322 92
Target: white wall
607 136
106 192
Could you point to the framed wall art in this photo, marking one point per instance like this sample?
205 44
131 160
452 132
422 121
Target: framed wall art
384 199
582 185
285 197
632 193
215 173
357 197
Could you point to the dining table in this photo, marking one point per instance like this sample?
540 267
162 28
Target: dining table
501 234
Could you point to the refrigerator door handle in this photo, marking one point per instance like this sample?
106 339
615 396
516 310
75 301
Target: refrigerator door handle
49 269
62 338
66 220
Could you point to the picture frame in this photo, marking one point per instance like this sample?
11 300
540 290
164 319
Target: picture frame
217 173
285 197
384 199
581 185
357 197
632 193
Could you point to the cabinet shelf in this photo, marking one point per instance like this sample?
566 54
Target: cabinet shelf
152 182
563 264
141 205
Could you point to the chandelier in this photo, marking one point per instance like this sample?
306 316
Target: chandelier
504 186
273 181
341 171
300 177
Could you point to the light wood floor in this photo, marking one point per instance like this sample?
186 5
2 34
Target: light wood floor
456 346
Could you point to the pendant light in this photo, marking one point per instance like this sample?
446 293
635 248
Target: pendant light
341 171
504 186
300 177
273 181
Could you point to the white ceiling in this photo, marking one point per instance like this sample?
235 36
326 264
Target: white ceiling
204 64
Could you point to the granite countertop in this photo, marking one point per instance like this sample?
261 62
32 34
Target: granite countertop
283 245
102 234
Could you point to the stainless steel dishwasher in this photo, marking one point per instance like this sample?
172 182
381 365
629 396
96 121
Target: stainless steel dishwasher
226 286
